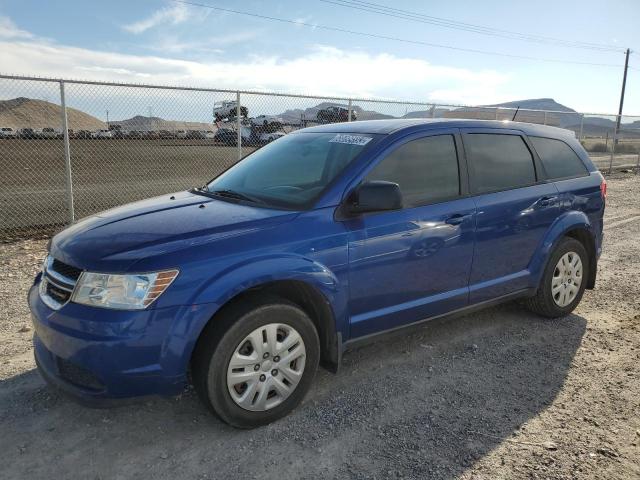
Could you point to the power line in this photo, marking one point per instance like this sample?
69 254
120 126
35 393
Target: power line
469 27
385 37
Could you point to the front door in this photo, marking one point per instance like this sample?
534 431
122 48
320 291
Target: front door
410 264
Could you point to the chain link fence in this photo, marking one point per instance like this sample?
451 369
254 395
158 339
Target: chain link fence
71 149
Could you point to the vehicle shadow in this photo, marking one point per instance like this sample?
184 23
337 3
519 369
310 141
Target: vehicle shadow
428 403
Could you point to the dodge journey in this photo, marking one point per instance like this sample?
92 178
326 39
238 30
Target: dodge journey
328 236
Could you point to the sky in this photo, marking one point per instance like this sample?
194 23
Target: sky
172 43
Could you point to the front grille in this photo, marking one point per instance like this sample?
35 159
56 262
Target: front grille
58 282
65 270
78 376
60 295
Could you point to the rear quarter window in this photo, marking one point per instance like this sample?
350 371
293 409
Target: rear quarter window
558 158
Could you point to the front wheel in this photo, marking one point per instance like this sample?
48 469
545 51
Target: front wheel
256 362
563 282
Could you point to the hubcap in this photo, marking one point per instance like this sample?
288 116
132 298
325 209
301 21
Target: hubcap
266 367
567 278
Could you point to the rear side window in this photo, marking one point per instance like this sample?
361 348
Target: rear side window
500 162
425 169
558 158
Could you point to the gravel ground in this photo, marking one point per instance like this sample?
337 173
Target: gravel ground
500 394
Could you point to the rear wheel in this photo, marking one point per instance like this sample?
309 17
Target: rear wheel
563 282
255 364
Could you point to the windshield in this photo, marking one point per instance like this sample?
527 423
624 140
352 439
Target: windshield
294 171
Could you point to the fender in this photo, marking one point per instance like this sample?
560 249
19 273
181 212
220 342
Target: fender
564 223
242 276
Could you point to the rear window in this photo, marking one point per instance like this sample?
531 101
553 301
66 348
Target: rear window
558 158
500 162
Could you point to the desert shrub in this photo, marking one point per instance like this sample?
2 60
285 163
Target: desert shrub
596 147
626 148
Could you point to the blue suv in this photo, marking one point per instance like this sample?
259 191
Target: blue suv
326 237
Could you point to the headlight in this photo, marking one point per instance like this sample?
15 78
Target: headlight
125 292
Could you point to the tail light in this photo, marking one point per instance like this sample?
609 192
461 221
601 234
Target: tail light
603 189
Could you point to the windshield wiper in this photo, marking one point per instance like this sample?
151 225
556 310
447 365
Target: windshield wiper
227 194
237 195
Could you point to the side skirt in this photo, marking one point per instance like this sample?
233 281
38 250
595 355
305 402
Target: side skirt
374 337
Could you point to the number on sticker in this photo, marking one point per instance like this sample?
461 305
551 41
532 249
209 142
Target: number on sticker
350 139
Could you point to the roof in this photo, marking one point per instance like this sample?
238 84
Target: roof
390 126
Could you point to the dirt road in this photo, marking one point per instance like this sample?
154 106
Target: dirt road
501 394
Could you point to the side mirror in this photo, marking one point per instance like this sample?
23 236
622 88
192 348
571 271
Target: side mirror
374 196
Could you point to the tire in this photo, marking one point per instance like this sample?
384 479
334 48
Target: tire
227 335
548 302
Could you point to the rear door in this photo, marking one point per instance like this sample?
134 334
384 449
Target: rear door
410 264
515 208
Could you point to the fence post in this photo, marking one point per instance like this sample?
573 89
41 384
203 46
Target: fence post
581 126
638 164
545 117
496 113
67 154
350 109
433 111
239 124
613 152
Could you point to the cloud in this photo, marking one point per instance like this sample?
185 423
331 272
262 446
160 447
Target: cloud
173 15
171 44
9 30
324 70
202 47
302 21
237 37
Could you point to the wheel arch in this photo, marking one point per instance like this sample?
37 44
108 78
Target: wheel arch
309 299
316 305
574 225
585 237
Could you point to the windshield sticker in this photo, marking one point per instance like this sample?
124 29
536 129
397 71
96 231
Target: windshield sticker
350 139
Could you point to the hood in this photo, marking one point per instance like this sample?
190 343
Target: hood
114 240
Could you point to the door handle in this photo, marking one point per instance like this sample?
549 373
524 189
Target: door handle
457 219
547 201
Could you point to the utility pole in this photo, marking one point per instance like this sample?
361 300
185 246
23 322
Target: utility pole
624 84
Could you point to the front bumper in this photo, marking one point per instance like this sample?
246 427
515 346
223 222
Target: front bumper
98 354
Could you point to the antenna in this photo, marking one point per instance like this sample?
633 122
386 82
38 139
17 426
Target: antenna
516 113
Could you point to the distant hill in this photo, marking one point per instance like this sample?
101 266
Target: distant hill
431 113
536 104
30 113
146 124
524 114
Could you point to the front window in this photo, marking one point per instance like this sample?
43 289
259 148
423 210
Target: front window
293 171
426 170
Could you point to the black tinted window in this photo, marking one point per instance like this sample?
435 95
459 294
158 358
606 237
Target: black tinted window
558 158
500 162
426 170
